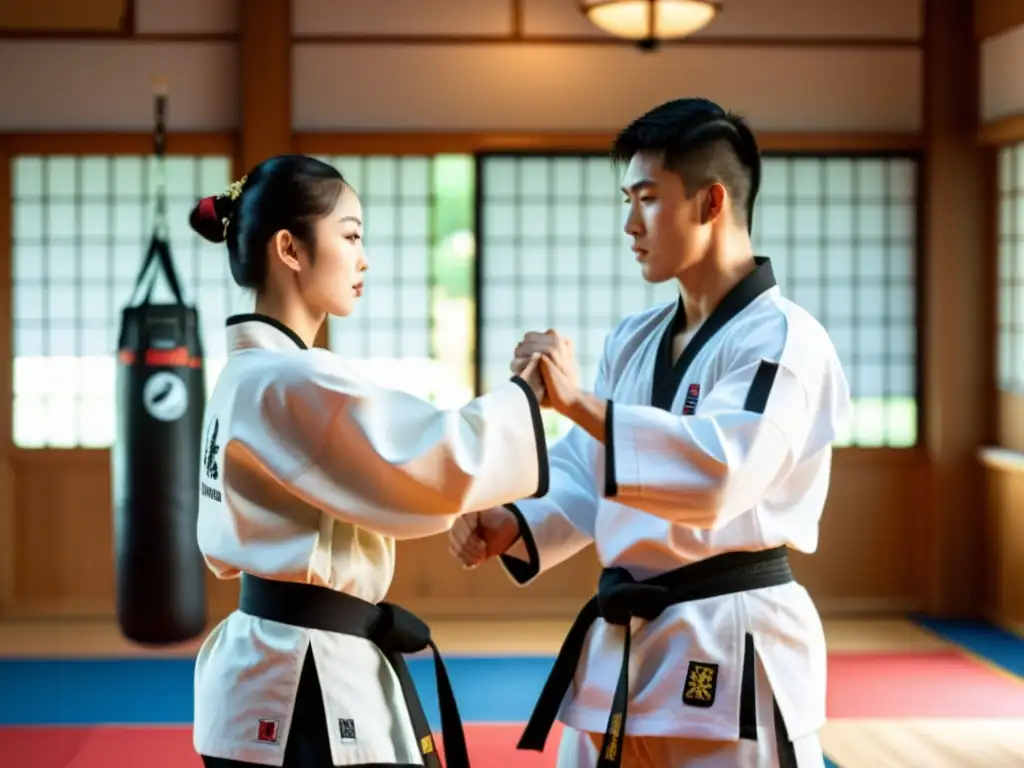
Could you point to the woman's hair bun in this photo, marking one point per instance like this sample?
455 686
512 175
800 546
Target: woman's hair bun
209 217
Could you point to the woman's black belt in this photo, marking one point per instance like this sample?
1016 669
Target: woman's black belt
394 630
620 598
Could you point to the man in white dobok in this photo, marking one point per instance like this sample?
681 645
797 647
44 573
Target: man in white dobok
701 456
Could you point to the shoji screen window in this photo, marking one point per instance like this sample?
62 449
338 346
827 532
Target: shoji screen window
553 255
841 232
1010 335
81 226
414 323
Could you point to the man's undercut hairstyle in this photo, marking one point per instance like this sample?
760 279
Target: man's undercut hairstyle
703 144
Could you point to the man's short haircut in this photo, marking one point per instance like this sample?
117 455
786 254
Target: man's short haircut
703 144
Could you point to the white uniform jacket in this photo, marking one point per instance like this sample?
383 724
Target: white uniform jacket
728 449
310 472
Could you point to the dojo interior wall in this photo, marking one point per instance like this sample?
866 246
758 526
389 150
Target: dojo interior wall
1002 133
407 77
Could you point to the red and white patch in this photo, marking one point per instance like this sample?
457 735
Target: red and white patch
266 731
690 403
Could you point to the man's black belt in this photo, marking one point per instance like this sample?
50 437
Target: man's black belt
394 630
620 598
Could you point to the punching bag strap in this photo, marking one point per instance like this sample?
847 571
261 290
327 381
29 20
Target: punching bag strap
159 255
158 260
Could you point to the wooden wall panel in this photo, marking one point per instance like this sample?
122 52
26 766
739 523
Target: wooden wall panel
1004 474
992 17
63 534
104 85
64 568
862 564
404 18
568 87
1011 423
1001 59
869 557
957 341
428 580
63 15
265 80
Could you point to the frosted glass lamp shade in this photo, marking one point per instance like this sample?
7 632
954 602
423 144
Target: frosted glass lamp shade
649 19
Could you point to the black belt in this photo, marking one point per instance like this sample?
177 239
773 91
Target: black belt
394 630
620 598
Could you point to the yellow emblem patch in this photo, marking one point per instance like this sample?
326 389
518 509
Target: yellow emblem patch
701 684
427 745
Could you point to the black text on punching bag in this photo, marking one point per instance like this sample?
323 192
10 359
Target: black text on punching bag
161 592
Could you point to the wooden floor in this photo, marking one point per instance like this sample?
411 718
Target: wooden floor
899 743
925 743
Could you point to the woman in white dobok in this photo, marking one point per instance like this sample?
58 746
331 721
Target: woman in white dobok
309 475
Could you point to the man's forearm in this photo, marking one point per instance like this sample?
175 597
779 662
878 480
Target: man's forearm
589 412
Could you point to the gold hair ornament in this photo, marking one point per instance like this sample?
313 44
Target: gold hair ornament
234 192
235 188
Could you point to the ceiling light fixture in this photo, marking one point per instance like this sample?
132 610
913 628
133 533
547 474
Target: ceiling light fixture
649 22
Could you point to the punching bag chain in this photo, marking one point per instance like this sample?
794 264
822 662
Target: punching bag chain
161 227
159 257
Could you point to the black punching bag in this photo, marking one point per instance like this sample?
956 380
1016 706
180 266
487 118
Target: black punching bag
161 587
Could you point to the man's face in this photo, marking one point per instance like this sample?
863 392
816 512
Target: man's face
669 229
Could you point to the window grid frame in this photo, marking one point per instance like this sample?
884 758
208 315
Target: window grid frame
205 148
583 279
1012 280
919 261
195 286
398 281
915 156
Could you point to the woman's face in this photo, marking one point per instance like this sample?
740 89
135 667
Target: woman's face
334 282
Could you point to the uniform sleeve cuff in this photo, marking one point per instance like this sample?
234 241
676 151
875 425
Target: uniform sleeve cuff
522 572
543 476
611 485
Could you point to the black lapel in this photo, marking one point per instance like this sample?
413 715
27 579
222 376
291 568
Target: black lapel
668 377
256 317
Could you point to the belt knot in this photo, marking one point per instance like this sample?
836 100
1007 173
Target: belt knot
620 597
400 631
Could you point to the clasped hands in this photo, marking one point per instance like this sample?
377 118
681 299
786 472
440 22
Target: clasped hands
547 363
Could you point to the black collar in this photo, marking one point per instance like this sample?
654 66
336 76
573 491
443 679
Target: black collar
668 377
256 317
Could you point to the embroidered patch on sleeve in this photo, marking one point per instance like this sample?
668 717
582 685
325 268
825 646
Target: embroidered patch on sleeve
701 684
266 731
347 729
690 403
